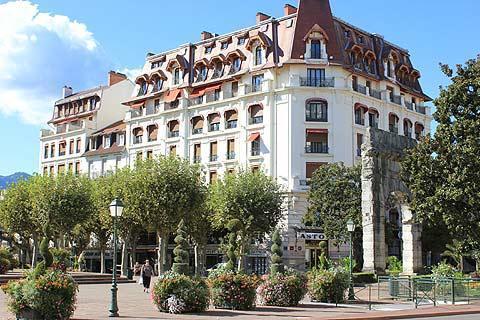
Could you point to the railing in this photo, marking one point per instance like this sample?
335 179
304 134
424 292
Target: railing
213 158
136 113
197 130
255 152
360 89
61 153
217 74
316 119
230 94
172 105
421 109
197 159
317 82
408 133
373 124
61 128
256 120
396 99
376 94
214 127
195 101
137 139
231 155
232 124
393 128
152 110
173 134
317 148
409 105
234 70
360 121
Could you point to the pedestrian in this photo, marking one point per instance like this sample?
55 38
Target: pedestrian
146 274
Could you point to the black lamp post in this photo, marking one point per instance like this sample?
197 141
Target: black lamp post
351 229
116 209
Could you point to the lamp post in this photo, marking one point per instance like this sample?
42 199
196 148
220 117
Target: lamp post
116 209
351 229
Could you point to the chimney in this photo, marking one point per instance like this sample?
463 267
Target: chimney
115 77
205 35
289 9
66 91
262 17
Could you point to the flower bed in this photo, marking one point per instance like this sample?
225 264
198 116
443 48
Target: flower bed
176 293
50 295
234 291
282 290
328 285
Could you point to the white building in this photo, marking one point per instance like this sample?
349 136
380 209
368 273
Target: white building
76 116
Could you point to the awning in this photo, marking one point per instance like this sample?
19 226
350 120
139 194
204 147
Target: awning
173 95
197 92
137 105
214 118
316 131
213 88
231 115
361 106
254 136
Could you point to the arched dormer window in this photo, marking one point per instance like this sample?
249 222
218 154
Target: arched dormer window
176 66
256 114
217 64
157 79
316 43
235 58
197 125
142 82
137 135
356 57
316 49
258 44
258 56
369 62
390 63
316 111
201 70
176 76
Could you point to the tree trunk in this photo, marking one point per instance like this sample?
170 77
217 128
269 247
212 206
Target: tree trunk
124 258
162 251
159 254
34 251
133 256
199 250
241 255
102 260
197 262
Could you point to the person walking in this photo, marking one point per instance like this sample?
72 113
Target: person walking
146 274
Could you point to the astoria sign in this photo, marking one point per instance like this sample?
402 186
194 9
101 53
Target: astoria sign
311 235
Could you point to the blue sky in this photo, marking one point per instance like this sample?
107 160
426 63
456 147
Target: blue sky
45 44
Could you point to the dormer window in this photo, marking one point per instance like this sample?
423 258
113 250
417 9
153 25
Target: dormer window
258 56
156 64
121 139
142 81
237 64
346 33
217 70
316 43
224 45
241 41
107 141
176 76
208 49
93 103
202 73
315 49
360 39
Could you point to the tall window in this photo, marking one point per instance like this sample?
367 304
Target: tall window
258 56
407 128
158 84
389 68
359 144
316 49
213 151
218 71
230 149
231 118
315 77
197 125
393 123
373 119
257 82
359 116
202 73
152 131
316 141
176 76
137 135
316 111
143 88
214 122
236 65
173 129
255 147
256 114
197 153
45 153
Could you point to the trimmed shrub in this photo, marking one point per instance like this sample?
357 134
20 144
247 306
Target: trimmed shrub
61 259
234 291
178 293
7 260
282 290
277 253
180 265
50 295
364 278
328 285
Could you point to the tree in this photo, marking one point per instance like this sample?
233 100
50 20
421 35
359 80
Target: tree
254 199
455 251
442 171
167 189
276 265
181 250
335 196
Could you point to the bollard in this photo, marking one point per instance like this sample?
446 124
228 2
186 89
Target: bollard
453 291
370 297
434 293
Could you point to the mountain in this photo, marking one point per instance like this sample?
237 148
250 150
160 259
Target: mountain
6 180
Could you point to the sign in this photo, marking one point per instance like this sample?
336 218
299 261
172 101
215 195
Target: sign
311 236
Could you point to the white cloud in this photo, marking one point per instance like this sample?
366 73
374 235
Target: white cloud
132 74
39 54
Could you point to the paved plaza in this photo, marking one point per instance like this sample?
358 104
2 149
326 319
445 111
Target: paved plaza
94 300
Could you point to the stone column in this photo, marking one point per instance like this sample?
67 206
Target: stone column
412 244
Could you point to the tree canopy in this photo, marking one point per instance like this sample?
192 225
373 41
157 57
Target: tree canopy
442 171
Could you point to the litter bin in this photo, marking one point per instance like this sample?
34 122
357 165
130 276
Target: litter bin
130 274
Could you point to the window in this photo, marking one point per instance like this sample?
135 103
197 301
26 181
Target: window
258 56
218 70
156 64
346 33
236 65
256 114
241 41
45 171
311 167
137 135
208 49
316 49
52 150
359 144
45 151
158 84
61 168
373 118
149 154
234 88
407 128
390 93
355 83
197 153
202 73
213 176
79 145
62 148
121 139
360 116
93 103
70 167
173 128
315 77
152 131
360 39
197 125
107 141
393 123
230 149
214 122
316 141
224 45
139 156
231 118
316 111
419 131
77 167
176 76
143 88
173 150
389 68
213 151
255 169
255 147
257 82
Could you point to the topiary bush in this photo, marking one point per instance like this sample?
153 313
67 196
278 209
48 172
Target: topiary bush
49 295
180 265
61 259
276 265
328 285
234 291
178 293
282 290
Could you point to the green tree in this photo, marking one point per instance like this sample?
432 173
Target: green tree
456 252
335 196
442 171
254 199
167 189
181 250
276 265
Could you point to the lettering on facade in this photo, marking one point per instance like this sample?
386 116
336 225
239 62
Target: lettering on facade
311 236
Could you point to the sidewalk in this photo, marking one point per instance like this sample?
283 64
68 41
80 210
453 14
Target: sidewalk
94 301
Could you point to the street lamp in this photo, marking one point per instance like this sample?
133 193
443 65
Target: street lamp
351 229
116 208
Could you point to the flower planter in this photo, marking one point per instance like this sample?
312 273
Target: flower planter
29 314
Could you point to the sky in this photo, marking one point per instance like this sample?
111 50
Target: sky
46 44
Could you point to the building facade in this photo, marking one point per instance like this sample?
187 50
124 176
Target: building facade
283 96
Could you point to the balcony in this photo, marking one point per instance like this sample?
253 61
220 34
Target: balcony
61 128
232 124
322 118
256 120
197 131
360 121
213 157
136 113
409 105
173 134
396 99
152 110
320 148
360 89
172 105
393 128
137 139
61 153
255 152
376 94
317 82
214 127
212 97
231 155
421 109
253 88
195 101
197 159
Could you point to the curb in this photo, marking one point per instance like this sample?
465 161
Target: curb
428 314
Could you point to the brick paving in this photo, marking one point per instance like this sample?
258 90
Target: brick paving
94 300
